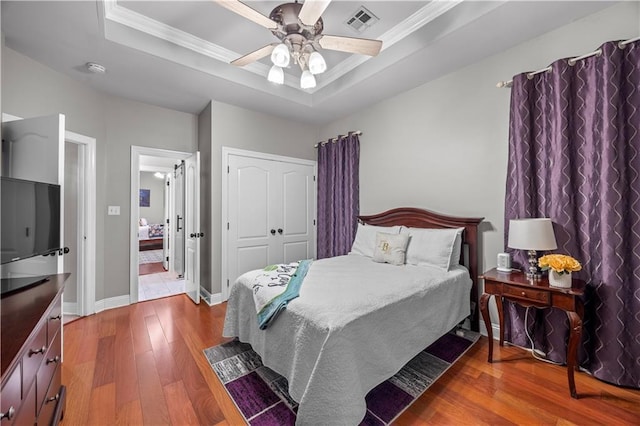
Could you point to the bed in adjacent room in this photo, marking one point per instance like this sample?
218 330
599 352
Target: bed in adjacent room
150 235
358 321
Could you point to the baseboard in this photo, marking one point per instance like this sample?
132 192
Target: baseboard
216 299
112 302
69 308
210 299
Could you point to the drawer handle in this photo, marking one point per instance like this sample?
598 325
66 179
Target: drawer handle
53 398
524 294
9 414
57 317
55 359
38 351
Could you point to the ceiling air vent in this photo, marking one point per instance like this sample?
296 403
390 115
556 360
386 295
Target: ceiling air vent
362 19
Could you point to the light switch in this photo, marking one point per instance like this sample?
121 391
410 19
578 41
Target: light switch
113 210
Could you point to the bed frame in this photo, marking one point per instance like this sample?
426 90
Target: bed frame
419 218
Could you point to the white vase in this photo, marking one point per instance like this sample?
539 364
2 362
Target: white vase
559 280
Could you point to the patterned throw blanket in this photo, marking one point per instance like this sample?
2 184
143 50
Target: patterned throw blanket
275 287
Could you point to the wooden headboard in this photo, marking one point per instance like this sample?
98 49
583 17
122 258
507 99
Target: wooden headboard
419 218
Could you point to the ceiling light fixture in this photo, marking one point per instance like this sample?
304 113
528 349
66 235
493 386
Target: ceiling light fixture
299 27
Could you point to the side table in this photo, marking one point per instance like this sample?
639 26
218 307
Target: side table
516 287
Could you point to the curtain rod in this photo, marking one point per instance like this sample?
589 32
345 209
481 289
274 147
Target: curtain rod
571 62
356 132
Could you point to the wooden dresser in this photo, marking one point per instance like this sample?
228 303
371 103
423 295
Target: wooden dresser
31 353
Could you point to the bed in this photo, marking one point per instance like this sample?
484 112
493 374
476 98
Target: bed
150 235
358 322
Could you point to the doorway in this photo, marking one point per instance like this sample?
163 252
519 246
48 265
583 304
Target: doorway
158 226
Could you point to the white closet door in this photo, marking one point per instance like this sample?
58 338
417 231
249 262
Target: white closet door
298 194
253 215
270 210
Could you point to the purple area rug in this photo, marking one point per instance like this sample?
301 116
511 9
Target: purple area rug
262 395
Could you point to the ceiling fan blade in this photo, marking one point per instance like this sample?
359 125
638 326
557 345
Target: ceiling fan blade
312 10
254 56
363 46
247 12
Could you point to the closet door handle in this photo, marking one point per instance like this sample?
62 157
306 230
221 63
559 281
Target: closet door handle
280 231
273 232
178 228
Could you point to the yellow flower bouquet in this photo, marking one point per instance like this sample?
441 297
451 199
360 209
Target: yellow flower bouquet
560 263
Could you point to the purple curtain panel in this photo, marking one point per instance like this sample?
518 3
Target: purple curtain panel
574 142
338 195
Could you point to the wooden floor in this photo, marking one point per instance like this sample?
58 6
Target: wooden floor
143 364
150 268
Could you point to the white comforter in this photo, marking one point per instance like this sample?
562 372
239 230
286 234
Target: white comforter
355 324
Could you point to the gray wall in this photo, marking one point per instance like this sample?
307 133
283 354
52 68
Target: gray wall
254 131
155 212
30 89
443 146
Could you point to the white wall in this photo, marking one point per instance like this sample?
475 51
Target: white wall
443 146
155 212
30 89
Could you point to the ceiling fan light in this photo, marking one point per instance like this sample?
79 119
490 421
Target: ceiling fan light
280 55
307 80
317 64
276 75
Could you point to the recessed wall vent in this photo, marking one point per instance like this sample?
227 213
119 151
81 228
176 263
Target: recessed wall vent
361 19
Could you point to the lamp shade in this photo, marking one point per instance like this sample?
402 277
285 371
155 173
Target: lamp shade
317 64
276 75
532 234
280 55
307 80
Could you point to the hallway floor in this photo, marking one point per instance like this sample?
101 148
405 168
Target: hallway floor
154 286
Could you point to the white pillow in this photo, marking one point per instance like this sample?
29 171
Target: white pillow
432 247
390 248
365 240
457 249
143 221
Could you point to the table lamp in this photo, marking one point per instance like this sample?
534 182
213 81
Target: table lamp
532 234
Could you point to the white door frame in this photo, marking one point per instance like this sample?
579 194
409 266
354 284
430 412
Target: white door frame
226 152
136 152
86 292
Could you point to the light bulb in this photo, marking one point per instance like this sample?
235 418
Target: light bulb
276 75
317 64
307 80
280 55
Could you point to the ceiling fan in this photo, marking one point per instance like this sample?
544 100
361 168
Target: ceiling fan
299 29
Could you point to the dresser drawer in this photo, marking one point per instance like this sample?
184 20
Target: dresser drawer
54 320
53 397
33 356
48 368
27 413
11 396
539 297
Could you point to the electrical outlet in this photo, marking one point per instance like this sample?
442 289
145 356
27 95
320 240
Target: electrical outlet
113 210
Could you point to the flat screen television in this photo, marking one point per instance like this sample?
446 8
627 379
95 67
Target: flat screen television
29 219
